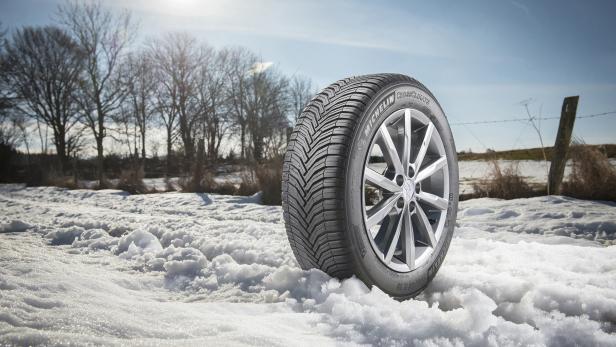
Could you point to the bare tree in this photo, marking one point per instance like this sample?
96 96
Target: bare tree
125 132
104 37
265 107
301 91
164 93
9 130
213 97
45 70
5 96
177 58
240 64
141 86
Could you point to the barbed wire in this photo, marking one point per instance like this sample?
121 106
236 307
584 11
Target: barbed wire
528 119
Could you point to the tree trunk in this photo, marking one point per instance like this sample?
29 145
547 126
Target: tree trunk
143 150
100 164
258 148
61 151
198 168
243 142
169 153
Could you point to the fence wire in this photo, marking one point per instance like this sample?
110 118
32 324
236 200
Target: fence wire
610 113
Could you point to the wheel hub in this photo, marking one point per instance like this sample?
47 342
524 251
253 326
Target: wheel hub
408 190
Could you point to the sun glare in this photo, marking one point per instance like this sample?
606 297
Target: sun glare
188 8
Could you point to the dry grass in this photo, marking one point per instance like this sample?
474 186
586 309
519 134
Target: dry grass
269 178
61 181
592 176
266 177
105 184
132 181
503 184
249 185
225 188
169 186
207 184
203 184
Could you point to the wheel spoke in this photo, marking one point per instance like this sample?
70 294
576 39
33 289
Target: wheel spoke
425 226
376 179
389 150
431 169
393 242
406 149
380 210
424 146
433 200
408 241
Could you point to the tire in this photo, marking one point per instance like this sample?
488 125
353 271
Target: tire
341 217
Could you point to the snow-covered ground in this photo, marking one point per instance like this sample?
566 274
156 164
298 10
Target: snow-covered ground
104 267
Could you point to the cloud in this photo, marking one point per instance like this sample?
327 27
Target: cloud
345 25
261 66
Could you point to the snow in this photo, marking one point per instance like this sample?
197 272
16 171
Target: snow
14 226
105 267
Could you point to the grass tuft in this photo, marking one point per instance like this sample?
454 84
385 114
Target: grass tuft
132 181
592 176
503 183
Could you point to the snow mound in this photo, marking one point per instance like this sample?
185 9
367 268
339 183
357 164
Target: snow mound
14 226
207 269
137 243
64 236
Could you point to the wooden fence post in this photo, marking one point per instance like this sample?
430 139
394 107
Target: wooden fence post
561 145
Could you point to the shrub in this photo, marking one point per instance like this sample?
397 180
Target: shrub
249 185
207 184
132 181
225 188
36 176
56 180
269 177
592 175
203 183
504 184
169 186
104 184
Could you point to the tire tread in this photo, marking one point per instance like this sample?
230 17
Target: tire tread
314 168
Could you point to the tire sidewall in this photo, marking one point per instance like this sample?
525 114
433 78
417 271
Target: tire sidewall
367 264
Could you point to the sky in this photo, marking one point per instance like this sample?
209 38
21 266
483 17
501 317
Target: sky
481 59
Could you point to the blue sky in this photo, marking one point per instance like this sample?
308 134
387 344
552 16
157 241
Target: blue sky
480 58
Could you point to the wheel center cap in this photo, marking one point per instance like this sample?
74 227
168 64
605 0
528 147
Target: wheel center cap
408 190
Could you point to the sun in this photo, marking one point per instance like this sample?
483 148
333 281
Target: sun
189 8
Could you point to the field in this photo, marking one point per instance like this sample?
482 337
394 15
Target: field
105 267
528 153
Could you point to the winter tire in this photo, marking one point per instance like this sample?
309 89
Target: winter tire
370 183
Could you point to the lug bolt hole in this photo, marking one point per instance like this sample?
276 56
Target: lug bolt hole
411 171
399 180
417 187
411 206
400 203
